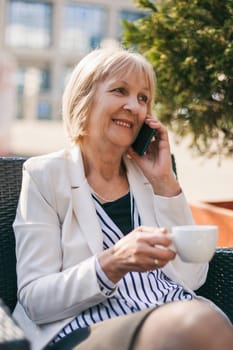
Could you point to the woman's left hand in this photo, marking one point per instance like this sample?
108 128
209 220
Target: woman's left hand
156 163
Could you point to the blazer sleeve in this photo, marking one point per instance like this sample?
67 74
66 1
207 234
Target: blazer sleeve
175 211
47 291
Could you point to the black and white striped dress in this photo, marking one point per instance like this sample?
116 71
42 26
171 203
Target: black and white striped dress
137 290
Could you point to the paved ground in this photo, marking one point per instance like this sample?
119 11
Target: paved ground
201 179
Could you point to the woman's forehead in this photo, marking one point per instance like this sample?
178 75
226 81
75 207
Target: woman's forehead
129 70
137 77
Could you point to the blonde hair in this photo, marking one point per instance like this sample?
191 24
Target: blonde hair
94 68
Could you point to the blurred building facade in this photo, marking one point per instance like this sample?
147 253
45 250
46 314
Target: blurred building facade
44 40
7 100
47 38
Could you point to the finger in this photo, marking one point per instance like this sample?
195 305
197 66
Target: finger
149 258
152 236
160 252
162 133
133 154
164 254
147 265
151 229
156 263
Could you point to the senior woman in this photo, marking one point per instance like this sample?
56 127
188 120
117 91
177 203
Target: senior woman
93 257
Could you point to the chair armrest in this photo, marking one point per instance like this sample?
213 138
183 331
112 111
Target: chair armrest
11 336
10 184
219 284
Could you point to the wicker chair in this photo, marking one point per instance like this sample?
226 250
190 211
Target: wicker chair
11 336
218 287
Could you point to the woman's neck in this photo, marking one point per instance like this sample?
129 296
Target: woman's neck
105 164
105 173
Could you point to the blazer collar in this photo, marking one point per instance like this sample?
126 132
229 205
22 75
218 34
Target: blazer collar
76 167
83 205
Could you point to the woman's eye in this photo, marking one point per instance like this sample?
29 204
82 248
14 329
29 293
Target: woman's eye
143 98
120 90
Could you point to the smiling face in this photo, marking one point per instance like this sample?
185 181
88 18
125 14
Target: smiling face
106 78
119 109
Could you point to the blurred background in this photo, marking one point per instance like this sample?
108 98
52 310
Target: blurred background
40 43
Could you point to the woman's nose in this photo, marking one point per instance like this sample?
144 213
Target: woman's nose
131 104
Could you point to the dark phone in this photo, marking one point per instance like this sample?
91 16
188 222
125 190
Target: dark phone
143 139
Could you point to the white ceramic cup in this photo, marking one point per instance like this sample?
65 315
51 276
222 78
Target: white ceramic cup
194 243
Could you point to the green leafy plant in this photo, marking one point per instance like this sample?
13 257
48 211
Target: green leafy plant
190 45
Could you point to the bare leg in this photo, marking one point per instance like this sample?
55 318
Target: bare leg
187 325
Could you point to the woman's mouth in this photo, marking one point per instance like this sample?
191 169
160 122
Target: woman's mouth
123 123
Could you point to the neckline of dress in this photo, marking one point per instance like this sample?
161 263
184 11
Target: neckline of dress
105 200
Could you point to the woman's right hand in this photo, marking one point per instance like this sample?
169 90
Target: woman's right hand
143 249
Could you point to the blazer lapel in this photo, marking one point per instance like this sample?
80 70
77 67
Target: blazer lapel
83 205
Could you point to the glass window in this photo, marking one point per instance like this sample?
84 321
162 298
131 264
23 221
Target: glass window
38 77
66 73
31 83
83 27
28 24
130 16
43 110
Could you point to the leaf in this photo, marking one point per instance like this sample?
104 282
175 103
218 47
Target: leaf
190 45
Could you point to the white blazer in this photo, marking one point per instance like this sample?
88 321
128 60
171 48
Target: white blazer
58 235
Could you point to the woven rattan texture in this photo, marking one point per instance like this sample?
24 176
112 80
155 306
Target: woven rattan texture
10 183
219 284
11 336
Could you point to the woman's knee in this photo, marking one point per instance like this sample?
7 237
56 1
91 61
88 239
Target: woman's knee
185 325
